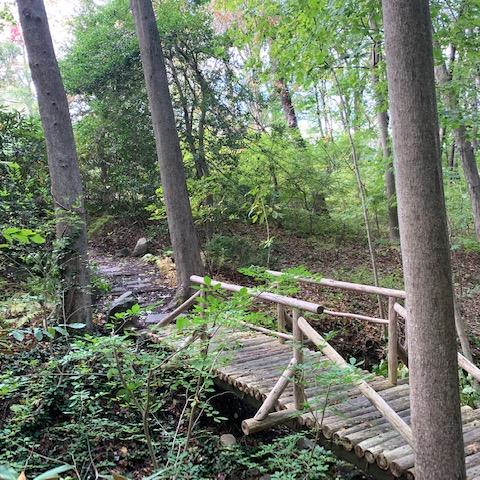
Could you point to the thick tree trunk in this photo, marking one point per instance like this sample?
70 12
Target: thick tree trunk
467 152
382 123
179 215
66 184
435 404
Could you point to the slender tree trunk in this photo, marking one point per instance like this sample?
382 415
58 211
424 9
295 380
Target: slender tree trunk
286 102
382 123
66 183
179 215
435 403
467 152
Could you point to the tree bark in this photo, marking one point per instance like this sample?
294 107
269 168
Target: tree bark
286 103
179 215
66 183
435 403
382 123
467 152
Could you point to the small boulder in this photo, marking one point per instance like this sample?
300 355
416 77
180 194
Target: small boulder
141 248
227 440
123 302
123 252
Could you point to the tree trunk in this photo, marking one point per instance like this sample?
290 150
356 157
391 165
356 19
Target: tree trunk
382 123
66 183
179 215
467 152
286 101
435 403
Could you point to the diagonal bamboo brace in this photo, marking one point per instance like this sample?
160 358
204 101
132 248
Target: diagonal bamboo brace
375 399
276 391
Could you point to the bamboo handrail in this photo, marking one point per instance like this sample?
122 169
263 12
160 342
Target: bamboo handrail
375 399
463 362
383 321
280 335
266 296
355 287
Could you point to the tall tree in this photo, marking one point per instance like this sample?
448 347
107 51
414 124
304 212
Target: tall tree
435 404
66 183
463 143
382 125
184 239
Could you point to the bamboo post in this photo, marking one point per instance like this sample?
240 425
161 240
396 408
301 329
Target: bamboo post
392 342
281 321
375 399
277 390
298 379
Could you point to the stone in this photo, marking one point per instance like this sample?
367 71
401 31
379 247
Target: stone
141 248
123 252
123 302
227 440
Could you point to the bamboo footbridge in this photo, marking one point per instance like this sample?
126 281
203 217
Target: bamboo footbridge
300 380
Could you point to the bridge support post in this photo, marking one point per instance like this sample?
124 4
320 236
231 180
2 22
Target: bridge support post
392 342
281 321
298 379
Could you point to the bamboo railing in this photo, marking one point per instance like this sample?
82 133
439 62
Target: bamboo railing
264 418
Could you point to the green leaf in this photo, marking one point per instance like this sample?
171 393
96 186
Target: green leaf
61 330
207 280
38 334
18 335
76 326
7 473
50 332
53 473
135 309
38 239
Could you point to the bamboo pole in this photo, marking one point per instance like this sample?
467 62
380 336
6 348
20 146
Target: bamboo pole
377 401
463 362
266 296
281 320
250 425
298 387
277 390
392 342
469 367
180 309
281 335
354 287
356 316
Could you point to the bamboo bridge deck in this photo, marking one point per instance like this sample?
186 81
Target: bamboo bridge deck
364 419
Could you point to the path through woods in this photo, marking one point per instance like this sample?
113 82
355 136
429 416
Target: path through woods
143 279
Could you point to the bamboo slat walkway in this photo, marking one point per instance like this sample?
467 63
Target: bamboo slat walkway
253 362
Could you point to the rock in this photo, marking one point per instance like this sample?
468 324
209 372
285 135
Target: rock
123 252
141 248
227 440
122 303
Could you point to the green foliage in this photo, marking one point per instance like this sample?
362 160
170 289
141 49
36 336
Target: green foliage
229 252
23 236
469 390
